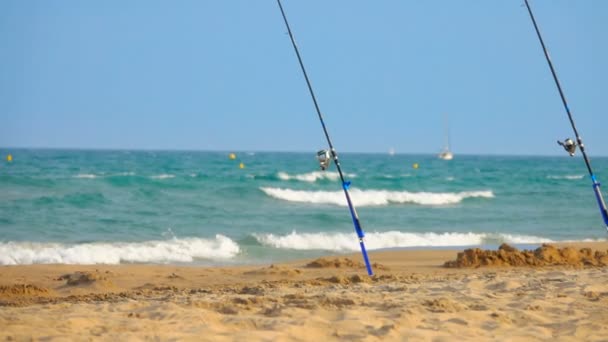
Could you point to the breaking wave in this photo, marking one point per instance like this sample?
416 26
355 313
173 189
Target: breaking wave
569 177
313 176
374 197
166 251
163 176
347 242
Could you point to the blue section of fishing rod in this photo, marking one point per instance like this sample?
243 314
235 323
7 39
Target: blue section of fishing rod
600 200
596 184
345 184
358 229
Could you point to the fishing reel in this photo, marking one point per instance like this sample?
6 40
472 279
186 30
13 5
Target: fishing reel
324 158
569 145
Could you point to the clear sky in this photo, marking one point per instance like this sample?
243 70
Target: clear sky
222 75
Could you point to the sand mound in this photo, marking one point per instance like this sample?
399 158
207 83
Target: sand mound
546 255
23 290
340 279
85 278
340 263
334 263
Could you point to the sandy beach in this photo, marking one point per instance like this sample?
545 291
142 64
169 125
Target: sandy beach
553 294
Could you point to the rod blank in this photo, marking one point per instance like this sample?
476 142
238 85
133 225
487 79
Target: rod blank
579 140
345 184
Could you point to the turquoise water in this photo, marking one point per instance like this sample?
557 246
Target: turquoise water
74 206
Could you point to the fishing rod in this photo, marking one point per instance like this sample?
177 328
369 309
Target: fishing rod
334 154
568 144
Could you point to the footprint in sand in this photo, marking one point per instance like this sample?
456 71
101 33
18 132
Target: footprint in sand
505 286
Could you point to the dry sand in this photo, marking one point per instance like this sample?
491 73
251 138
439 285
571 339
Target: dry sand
550 294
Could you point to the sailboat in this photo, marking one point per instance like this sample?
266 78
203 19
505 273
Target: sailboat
446 153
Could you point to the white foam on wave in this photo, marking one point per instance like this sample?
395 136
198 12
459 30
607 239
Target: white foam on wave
568 177
314 176
343 242
163 176
103 175
86 176
165 251
374 197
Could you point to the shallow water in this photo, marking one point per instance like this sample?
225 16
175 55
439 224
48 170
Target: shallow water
76 206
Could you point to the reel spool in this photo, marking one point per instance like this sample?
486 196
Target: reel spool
569 145
324 158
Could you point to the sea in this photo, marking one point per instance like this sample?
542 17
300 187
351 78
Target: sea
247 208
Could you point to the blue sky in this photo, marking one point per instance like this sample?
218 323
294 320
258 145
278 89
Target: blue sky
222 75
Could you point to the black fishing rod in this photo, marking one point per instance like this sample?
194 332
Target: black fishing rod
568 144
345 184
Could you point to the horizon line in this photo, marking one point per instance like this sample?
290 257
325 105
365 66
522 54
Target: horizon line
142 149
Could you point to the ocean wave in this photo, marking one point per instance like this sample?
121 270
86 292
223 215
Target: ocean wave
343 242
103 175
163 176
568 177
86 176
314 176
166 251
387 176
374 197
